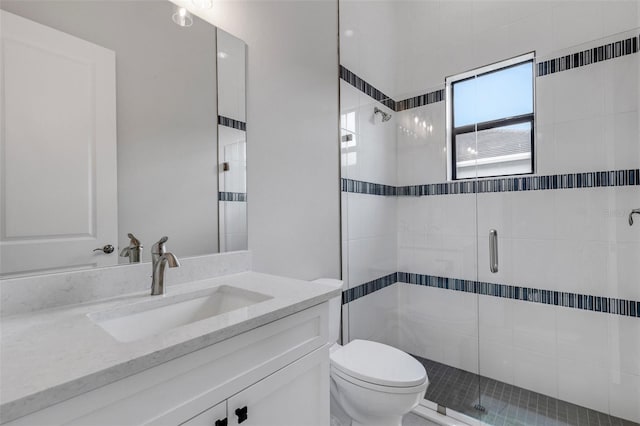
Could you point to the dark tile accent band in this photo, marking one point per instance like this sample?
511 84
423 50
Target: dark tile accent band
589 56
587 302
528 183
421 100
230 122
360 187
563 63
630 308
232 196
366 88
611 178
355 293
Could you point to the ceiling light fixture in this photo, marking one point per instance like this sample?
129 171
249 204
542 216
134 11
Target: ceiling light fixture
182 17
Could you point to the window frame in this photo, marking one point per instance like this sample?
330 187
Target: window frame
452 131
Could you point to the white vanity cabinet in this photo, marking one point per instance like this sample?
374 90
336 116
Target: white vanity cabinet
275 374
291 396
214 416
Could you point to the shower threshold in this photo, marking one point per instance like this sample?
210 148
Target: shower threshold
505 404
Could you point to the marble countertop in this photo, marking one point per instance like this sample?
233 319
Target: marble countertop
52 355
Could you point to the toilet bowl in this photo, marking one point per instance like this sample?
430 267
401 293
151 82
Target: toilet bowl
375 384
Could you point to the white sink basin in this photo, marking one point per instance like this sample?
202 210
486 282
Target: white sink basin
162 313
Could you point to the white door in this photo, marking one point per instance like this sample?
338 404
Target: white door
58 189
297 395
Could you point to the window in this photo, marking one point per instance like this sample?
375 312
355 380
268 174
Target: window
490 120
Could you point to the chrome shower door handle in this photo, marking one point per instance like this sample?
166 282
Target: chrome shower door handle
493 251
634 211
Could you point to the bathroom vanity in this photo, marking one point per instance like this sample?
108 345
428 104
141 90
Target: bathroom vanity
244 348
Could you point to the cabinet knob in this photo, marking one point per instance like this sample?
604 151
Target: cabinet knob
242 414
222 422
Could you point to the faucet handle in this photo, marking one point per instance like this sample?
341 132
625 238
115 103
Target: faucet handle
159 248
133 241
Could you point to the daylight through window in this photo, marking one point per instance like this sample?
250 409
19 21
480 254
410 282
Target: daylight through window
491 120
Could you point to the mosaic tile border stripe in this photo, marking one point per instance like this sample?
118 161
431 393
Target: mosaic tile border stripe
362 290
232 196
630 308
360 187
600 179
421 100
611 178
605 52
366 88
230 122
397 106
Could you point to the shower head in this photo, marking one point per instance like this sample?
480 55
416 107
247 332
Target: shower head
385 116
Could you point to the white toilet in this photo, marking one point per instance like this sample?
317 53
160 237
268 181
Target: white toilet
375 384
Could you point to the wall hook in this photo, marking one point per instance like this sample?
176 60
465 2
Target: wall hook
634 211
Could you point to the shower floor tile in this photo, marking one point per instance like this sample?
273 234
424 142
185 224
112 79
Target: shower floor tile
505 404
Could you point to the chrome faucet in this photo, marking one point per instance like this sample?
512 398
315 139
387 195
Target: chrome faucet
133 251
160 259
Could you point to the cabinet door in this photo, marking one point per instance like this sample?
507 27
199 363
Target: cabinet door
214 416
297 395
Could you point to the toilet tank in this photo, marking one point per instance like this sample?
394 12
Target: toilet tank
335 308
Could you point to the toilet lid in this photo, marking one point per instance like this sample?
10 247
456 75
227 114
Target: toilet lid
378 363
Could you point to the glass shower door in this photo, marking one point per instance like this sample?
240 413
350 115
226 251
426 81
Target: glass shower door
559 330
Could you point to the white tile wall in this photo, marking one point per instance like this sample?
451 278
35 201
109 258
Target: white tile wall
371 215
437 236
371 258
496 338
375 317
621 87
233 230
421 148
624 344
439 324
587 119
536 372
371 154
624 394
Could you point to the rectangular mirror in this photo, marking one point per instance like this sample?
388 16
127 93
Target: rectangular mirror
119 118
232 143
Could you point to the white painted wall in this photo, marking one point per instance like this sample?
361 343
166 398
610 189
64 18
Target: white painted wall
292 132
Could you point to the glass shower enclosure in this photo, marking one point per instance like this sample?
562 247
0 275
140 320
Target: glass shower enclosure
497 249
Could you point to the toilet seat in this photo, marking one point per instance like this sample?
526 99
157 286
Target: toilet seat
378 366
337 375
